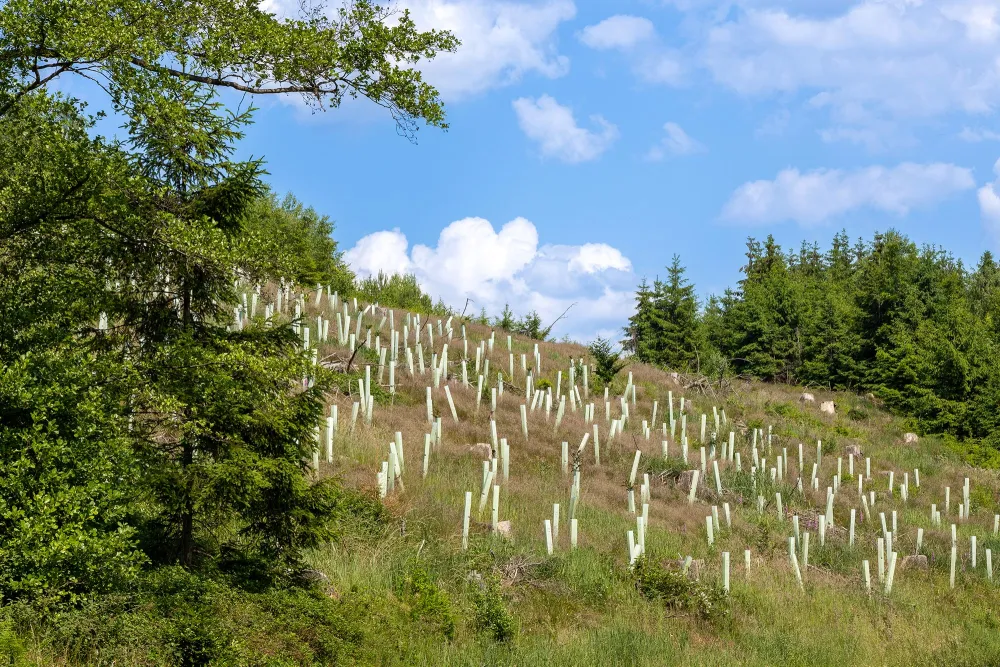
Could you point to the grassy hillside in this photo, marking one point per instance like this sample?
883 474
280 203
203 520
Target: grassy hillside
505 601
397 588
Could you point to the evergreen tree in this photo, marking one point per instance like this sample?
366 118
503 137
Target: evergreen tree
138 423
641 329
678 339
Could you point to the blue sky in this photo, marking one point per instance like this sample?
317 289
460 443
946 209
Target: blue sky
590 141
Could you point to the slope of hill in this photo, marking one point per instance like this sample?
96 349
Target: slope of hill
505 600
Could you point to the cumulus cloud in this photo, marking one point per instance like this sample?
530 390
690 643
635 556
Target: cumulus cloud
553 127
618 32
508 266
594 257
814 197
989 203
868 61
381 251
501 41
636 36
675 142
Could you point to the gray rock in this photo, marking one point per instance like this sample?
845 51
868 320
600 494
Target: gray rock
504 529
314 576
910 438
806 397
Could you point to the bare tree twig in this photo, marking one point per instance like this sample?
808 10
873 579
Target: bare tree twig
546 331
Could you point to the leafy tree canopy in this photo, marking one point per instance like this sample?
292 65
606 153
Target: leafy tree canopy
136 49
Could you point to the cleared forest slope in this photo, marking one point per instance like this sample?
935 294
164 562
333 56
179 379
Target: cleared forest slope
505 600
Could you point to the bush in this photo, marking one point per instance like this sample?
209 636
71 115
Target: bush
185 618
492 615
67 474
679 592
396 291
428 603
607 362
857 414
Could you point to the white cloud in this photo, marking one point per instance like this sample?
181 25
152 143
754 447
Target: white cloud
661 66
554 128
618 32
501 41
650 59
676 142
975 136
989 203
473 260
594 257
870 60
816 196
381 251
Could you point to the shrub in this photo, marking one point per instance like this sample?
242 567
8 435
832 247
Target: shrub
492 615
679 592
186 618
396 291
857 414
607 362
428 603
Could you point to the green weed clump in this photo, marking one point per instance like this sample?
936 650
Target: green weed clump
491 613
667 469
679 592
428 603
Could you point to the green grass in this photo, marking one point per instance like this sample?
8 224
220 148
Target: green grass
401 591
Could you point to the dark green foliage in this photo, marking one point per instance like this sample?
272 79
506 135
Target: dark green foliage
857 414
665 329
607 362
678 591
912 325
492 615
530 326
166 433
66 470
507 321
155 488
178 617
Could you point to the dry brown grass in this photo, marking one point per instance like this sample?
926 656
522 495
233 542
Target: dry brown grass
834 615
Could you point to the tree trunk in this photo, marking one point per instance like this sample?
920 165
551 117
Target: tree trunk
187 458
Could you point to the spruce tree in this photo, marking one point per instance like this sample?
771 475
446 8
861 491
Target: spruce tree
640 333
675 316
